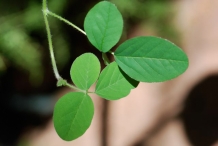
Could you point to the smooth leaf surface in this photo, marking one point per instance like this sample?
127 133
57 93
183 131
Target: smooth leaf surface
85 70
73 114
103 25
151 59
113 83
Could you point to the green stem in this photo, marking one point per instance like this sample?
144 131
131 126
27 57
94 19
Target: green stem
66 21
91 92
105 58
60 80
75 88
54 66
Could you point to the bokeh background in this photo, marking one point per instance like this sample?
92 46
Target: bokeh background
28 89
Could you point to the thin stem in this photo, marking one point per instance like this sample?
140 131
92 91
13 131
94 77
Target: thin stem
54 66
60 80
105 58
66 21
75 88
90 92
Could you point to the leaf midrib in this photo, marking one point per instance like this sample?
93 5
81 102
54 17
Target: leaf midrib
110 85
138 57
106 27
75 116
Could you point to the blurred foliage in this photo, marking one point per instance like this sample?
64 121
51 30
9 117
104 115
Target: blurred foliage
19 48
155 15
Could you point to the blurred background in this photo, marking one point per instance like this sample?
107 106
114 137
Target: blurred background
28 89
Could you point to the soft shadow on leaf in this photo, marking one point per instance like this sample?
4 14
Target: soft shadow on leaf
133 82
112 84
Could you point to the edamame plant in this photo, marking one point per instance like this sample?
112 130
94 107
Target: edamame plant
139 59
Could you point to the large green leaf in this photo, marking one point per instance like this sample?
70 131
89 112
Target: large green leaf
151 59
103 25
85 70
113 83
73 114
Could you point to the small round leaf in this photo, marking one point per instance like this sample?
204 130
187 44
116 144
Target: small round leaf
73 114
85 70
103 25
114 84
151 59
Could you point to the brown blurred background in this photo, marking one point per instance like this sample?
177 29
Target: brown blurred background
180 112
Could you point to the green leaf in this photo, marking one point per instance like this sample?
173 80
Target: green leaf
151 59
85 70
73 114
113 83
103 25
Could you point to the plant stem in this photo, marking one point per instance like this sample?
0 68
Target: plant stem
60 80
105 58
75 88
90 92
66 21
54 66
